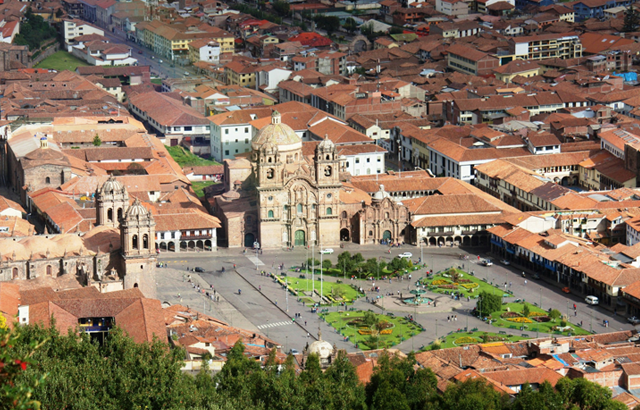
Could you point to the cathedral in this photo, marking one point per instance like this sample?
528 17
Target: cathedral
287 193
289 198
118 253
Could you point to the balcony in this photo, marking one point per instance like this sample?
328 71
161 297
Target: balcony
470 232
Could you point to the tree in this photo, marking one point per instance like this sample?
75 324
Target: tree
326 264
472 394
34 31
489 303
350 25
97 141
345 261
631 20
330 24
358 258
282 8
59 13
396 30
525 310
371 266
136 169
311 262
554 314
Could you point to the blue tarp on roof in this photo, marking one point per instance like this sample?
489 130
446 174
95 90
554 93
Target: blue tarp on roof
628 77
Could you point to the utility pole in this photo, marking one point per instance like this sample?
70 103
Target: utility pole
321 282
286 291
313 267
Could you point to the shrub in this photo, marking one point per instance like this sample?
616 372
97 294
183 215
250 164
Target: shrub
489 303
526 310
554 314
563 323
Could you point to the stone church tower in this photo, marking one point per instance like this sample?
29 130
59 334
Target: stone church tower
112 201
137 239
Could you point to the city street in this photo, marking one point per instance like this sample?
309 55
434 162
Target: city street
265 307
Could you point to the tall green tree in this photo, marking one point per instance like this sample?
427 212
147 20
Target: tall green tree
631 20
282 8
489 303
97 141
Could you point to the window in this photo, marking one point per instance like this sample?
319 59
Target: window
47 180
368 159
173 235
246 130
226 152
226 132
357 160
299 208
329 211
134 242
270 214
344 214
188 128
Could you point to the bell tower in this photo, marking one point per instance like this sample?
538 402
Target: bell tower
137 239
112 201
327 163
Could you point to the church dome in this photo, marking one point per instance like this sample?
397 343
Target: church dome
322 348
137 209
278 134
381 194
326 144
111 185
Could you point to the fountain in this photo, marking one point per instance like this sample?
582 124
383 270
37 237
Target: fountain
418 300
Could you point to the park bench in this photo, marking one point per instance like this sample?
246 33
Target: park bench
525 335
475 329
502 332
512 327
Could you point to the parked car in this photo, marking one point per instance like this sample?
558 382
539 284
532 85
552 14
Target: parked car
199 270
139 51
592 300
566 290
407 255
486 262
634 320
328 251
160 61
505 262
294 351
186 73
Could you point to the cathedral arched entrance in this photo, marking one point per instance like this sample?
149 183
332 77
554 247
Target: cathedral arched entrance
344 234
299 238
249 239
386 235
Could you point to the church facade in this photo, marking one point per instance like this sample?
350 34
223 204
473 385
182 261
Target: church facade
294 196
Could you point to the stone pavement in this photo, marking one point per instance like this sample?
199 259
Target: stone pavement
174 287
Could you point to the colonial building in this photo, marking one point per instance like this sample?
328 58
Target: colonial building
116 254
288 199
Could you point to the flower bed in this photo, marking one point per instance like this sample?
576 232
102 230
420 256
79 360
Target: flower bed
447 287
510 314
386 332
488 338
520 320
438 282
364 331
465 281
534 314
541 319
465 340
469 285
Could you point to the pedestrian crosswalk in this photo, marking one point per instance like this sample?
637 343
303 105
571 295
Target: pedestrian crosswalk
275 324
256 261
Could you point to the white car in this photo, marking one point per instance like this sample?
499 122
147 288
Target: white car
505 262
326 251
486 262
407 255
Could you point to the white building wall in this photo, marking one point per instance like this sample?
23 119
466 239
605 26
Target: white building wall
365 164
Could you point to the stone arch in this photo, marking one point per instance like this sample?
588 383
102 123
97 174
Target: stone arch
432 241
466 240
183 246
134 242
199 245
47 180
458 239
344 234
171 247
207 244
145 241
110 214
49 270
163 247
359 43
15 273
119 214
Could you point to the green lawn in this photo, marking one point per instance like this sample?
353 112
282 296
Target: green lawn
444 283
61 61
466 338
156 81
199 186
400 329
531 327
303 285
185 158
